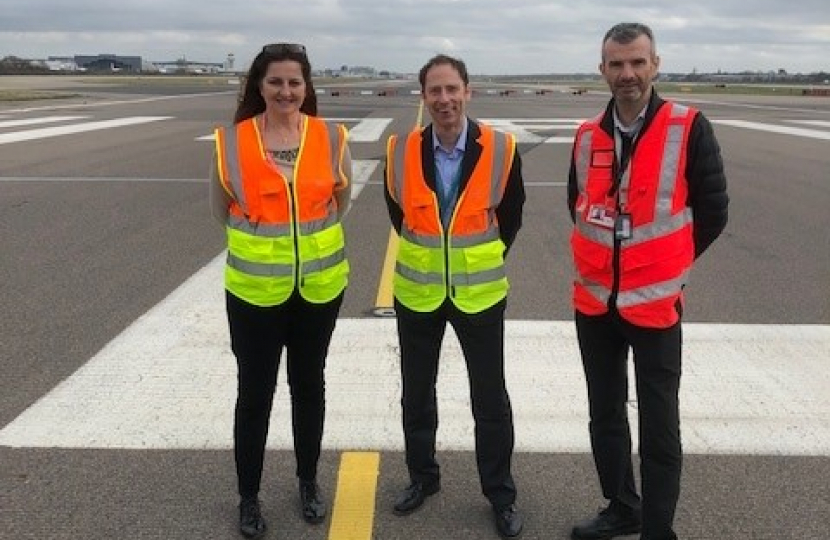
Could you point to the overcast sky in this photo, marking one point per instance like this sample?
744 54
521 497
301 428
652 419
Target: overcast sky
492 36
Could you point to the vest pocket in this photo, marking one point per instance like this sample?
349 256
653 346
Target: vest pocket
653 253
273 204
472 219
589 257
422 217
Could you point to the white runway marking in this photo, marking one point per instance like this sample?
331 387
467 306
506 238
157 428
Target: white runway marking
118 102
772 128
362 169
369 129
168 381
104 179
525 129
35 121
819 123
366 130
737 104
43 133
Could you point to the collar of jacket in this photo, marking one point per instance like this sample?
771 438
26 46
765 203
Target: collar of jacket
654 104
468 163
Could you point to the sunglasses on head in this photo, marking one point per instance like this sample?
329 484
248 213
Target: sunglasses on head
283 48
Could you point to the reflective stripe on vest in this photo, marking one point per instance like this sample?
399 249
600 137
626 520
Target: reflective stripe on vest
473 250
272 223
664 237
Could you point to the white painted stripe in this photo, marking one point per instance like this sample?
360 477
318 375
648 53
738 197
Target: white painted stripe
35 121
369 129
531 121
819 123
559 140
362 170
772 128
525 129
43 133
366 130
542 127
736 104
119 102
119 179
168 381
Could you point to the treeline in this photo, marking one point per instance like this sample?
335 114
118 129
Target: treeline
820 77
12 65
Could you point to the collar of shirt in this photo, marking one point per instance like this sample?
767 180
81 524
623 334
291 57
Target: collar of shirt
460 144
634 128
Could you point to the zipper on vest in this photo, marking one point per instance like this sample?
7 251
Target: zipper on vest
628 145
450 288
615 273
298 279
615 262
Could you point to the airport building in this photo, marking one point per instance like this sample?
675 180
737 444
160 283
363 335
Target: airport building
109 63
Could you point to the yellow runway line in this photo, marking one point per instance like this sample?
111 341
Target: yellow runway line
353 512
384 306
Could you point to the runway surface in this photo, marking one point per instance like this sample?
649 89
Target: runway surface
118 387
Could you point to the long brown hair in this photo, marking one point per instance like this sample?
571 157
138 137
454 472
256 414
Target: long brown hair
250 102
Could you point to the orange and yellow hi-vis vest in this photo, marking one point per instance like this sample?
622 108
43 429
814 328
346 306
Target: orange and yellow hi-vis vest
282 234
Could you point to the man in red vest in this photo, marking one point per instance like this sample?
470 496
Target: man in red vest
647 195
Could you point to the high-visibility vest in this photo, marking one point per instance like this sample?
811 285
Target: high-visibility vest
465 262
648 271
282 234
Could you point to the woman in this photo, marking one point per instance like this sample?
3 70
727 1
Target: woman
281 186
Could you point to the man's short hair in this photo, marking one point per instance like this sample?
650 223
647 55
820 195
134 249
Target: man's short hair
441 59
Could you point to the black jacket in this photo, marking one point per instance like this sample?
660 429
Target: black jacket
704 173
509 211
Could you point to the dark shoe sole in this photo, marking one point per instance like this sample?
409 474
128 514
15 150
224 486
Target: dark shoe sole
316 520
253 535
504 534
622 532
428 492
514 537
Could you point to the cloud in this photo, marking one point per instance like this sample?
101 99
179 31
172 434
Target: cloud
492 36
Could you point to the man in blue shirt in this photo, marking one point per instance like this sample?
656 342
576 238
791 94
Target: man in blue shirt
446 289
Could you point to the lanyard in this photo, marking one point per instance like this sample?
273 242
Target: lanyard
447 193
621 164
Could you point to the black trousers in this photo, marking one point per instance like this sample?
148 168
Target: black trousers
604 342
481 337
258 336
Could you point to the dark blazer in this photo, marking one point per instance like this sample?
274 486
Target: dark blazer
704 173
509 211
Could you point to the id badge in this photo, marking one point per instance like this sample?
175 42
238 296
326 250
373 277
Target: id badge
601 215
622 227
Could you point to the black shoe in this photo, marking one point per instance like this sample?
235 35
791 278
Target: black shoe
413 497
251 523
313 507
609 523
509 521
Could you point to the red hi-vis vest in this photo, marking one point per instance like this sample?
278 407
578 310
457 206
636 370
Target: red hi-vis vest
652 266
282 234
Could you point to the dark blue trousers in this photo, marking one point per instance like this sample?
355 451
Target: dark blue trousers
481 336
604 342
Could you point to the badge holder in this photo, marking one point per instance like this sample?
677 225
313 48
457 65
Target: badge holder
622 227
